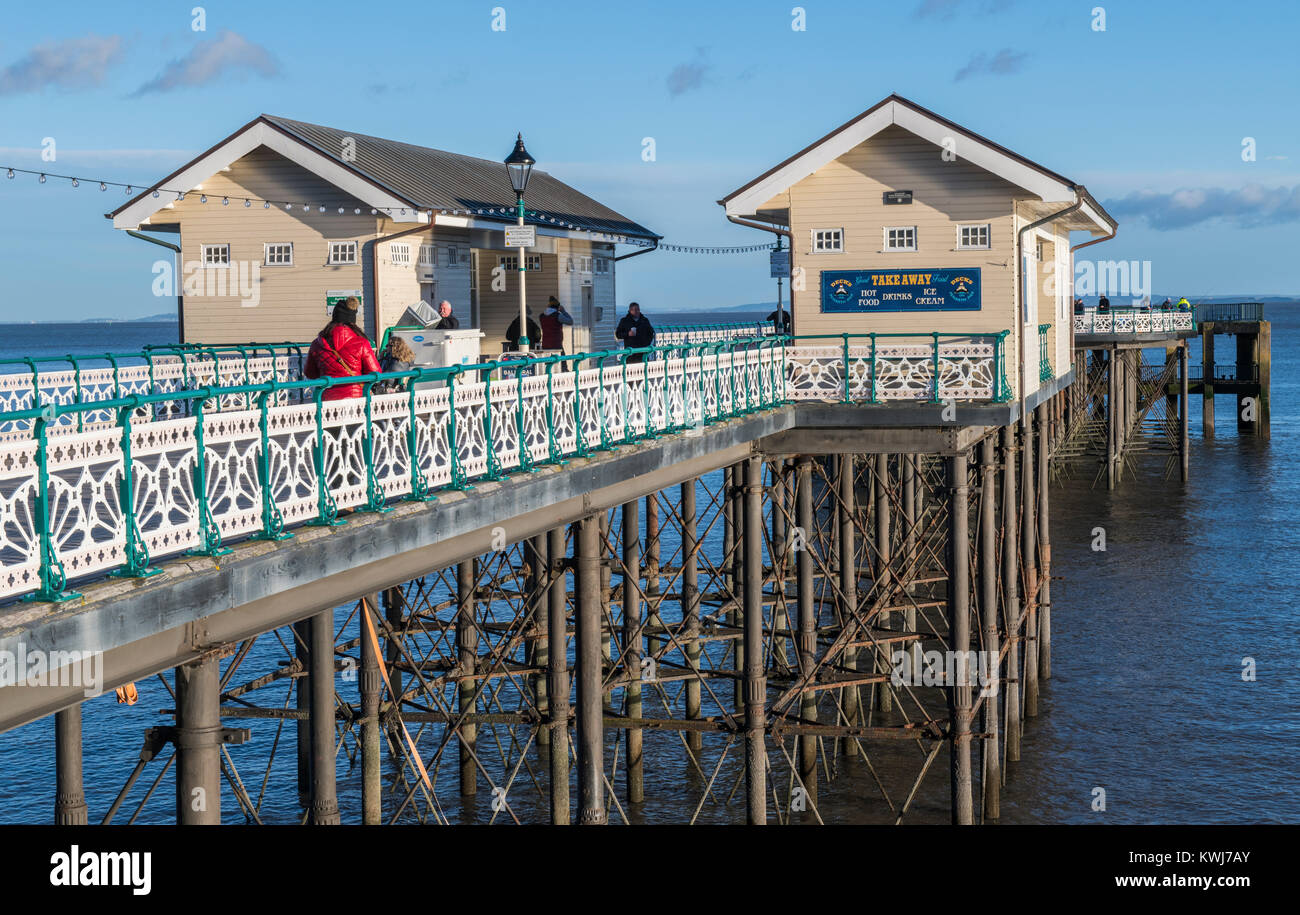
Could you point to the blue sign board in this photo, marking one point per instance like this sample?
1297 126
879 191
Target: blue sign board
913 289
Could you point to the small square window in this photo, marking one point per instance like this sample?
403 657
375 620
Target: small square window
585 263
509 262
342 253
602 266
278 254
426 255
453 256
828 241
976 236
216 255
534 262
400 252
900 238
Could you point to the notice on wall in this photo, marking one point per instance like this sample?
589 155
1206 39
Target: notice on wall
779 262
912 289
334 296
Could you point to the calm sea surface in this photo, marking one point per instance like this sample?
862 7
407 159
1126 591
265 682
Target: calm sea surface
1150 637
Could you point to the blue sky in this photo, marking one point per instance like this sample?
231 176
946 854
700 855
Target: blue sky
1150 114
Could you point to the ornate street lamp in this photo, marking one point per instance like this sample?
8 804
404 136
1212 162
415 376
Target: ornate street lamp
519 165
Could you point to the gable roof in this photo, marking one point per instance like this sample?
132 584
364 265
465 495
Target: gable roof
896 110
395 176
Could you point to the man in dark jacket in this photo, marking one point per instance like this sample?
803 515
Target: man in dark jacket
512 332
780 321
1103 305
341 350
446 320
635 331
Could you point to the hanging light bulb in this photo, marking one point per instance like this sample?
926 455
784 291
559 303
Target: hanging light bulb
203 198
266 204
225 201
180 195
357 211
155 193
76 183
42 178
288 206
247 203
340 209
322 208
11 173
128 190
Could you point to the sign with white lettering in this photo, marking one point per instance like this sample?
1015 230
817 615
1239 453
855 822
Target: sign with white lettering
896 197
521 236
779 260
867 291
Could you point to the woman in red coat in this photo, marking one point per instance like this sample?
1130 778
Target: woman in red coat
341 350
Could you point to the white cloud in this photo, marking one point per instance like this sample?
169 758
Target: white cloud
1246 207
76 63
228 53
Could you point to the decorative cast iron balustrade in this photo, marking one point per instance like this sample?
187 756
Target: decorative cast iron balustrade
673 334
29 383
1132 321
1230 311
1044 358
188 471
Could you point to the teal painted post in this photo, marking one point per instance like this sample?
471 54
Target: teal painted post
209 532
936 398
272 520
137 553
844 367
53 579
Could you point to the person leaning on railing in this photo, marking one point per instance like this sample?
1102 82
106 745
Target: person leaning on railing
341 350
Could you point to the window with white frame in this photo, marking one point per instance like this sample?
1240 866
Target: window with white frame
509 262
215 255
602 266
900 238
828 241
534 262
426 255
453 256
584 263
342 253
278 254
400 252
568 263
973 236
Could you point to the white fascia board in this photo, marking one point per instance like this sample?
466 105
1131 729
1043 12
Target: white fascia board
1103 227
1049 190
240 145
979 154
747 203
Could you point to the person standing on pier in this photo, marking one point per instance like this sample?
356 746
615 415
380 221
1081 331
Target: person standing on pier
636 332
446 320
341 350
553 320
512 332
1103 305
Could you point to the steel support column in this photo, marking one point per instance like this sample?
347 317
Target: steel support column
991 770
1011 591
198 743
370 685
69 792
632 644
467 660
557 677
324 791
691 608
959 693
591 742
754 669
806 584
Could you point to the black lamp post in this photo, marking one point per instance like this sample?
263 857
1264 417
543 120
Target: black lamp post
519 166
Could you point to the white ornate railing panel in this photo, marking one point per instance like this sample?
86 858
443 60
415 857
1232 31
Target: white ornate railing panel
1136 322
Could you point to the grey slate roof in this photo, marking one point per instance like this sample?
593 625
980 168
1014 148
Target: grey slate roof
439 180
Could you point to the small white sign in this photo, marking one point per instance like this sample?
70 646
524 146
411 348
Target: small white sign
521 236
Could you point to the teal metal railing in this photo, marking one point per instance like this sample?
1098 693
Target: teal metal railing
193 470
1045 372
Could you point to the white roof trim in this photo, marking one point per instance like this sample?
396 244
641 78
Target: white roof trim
241 144
972 150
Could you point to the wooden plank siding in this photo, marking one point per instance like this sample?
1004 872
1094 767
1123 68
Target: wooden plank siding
848 194
289 302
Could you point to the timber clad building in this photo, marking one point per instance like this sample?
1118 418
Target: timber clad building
901 221
283 217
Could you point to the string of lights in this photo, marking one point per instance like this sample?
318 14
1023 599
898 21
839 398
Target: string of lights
11 172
